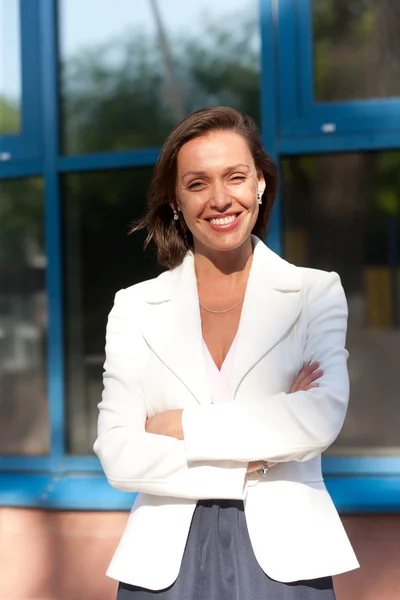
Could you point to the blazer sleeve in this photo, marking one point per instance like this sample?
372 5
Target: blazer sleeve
284 427
132 459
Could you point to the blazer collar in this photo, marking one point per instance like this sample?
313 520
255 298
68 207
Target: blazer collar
172 325
271 306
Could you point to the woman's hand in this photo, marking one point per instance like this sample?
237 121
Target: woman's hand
256 465
307 377
306 380
168 423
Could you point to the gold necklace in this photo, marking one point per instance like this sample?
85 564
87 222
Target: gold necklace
221 312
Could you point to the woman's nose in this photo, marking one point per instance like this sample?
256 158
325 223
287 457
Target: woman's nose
220 199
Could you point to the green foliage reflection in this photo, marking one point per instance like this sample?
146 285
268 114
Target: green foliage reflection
128 94
356 49
9 117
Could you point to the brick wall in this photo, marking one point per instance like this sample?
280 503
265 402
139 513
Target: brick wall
63 555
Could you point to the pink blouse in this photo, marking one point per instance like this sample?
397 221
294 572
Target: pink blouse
220 380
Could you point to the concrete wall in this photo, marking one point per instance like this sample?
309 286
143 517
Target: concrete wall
63 555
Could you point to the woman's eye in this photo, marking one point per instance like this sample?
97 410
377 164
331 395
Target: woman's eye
195 185
238 178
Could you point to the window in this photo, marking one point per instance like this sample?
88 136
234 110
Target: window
127 81
344 61
24 424
356 50
99 259
342 213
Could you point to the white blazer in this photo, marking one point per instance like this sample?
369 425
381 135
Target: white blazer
155 362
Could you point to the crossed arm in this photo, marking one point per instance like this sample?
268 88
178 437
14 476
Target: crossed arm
169 423
194 454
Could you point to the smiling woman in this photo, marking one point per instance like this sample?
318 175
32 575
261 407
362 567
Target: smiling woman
229 320
227 145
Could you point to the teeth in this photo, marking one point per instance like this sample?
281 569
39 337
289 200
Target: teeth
223 221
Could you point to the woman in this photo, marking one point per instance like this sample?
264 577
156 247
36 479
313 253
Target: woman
211 380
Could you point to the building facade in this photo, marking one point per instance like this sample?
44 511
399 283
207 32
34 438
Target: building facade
88 92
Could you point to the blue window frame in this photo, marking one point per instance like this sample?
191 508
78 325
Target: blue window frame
74 482
25 145
300 114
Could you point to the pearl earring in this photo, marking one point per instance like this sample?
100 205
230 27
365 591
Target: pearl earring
259 196
176 216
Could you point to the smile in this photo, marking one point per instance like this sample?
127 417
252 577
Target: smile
223 220
227 223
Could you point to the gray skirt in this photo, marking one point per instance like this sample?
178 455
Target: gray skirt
219 564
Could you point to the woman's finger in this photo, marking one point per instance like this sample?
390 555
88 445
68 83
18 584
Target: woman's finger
310 387
307 371
312 378
258 464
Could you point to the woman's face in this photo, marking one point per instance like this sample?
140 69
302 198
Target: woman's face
216 190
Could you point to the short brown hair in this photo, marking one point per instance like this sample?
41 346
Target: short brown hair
172 238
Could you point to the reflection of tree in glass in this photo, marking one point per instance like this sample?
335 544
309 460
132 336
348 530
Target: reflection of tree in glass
357 49
9 117
115 96
342 211
100 258
356 54
23 318
388 198
21 222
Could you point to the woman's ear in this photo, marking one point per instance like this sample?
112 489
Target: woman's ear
261 181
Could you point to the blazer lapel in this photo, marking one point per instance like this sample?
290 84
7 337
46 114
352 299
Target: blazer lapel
172 327
172 324
271 306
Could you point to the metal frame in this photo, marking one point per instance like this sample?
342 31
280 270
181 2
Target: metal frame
357 484
108 160
268 13
300 114
53 231
351 495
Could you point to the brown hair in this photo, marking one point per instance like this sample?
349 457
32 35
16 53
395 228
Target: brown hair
173 238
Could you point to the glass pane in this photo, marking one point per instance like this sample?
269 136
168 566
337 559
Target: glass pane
24 424
100 258
142 66
10 67
356 49
342 213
